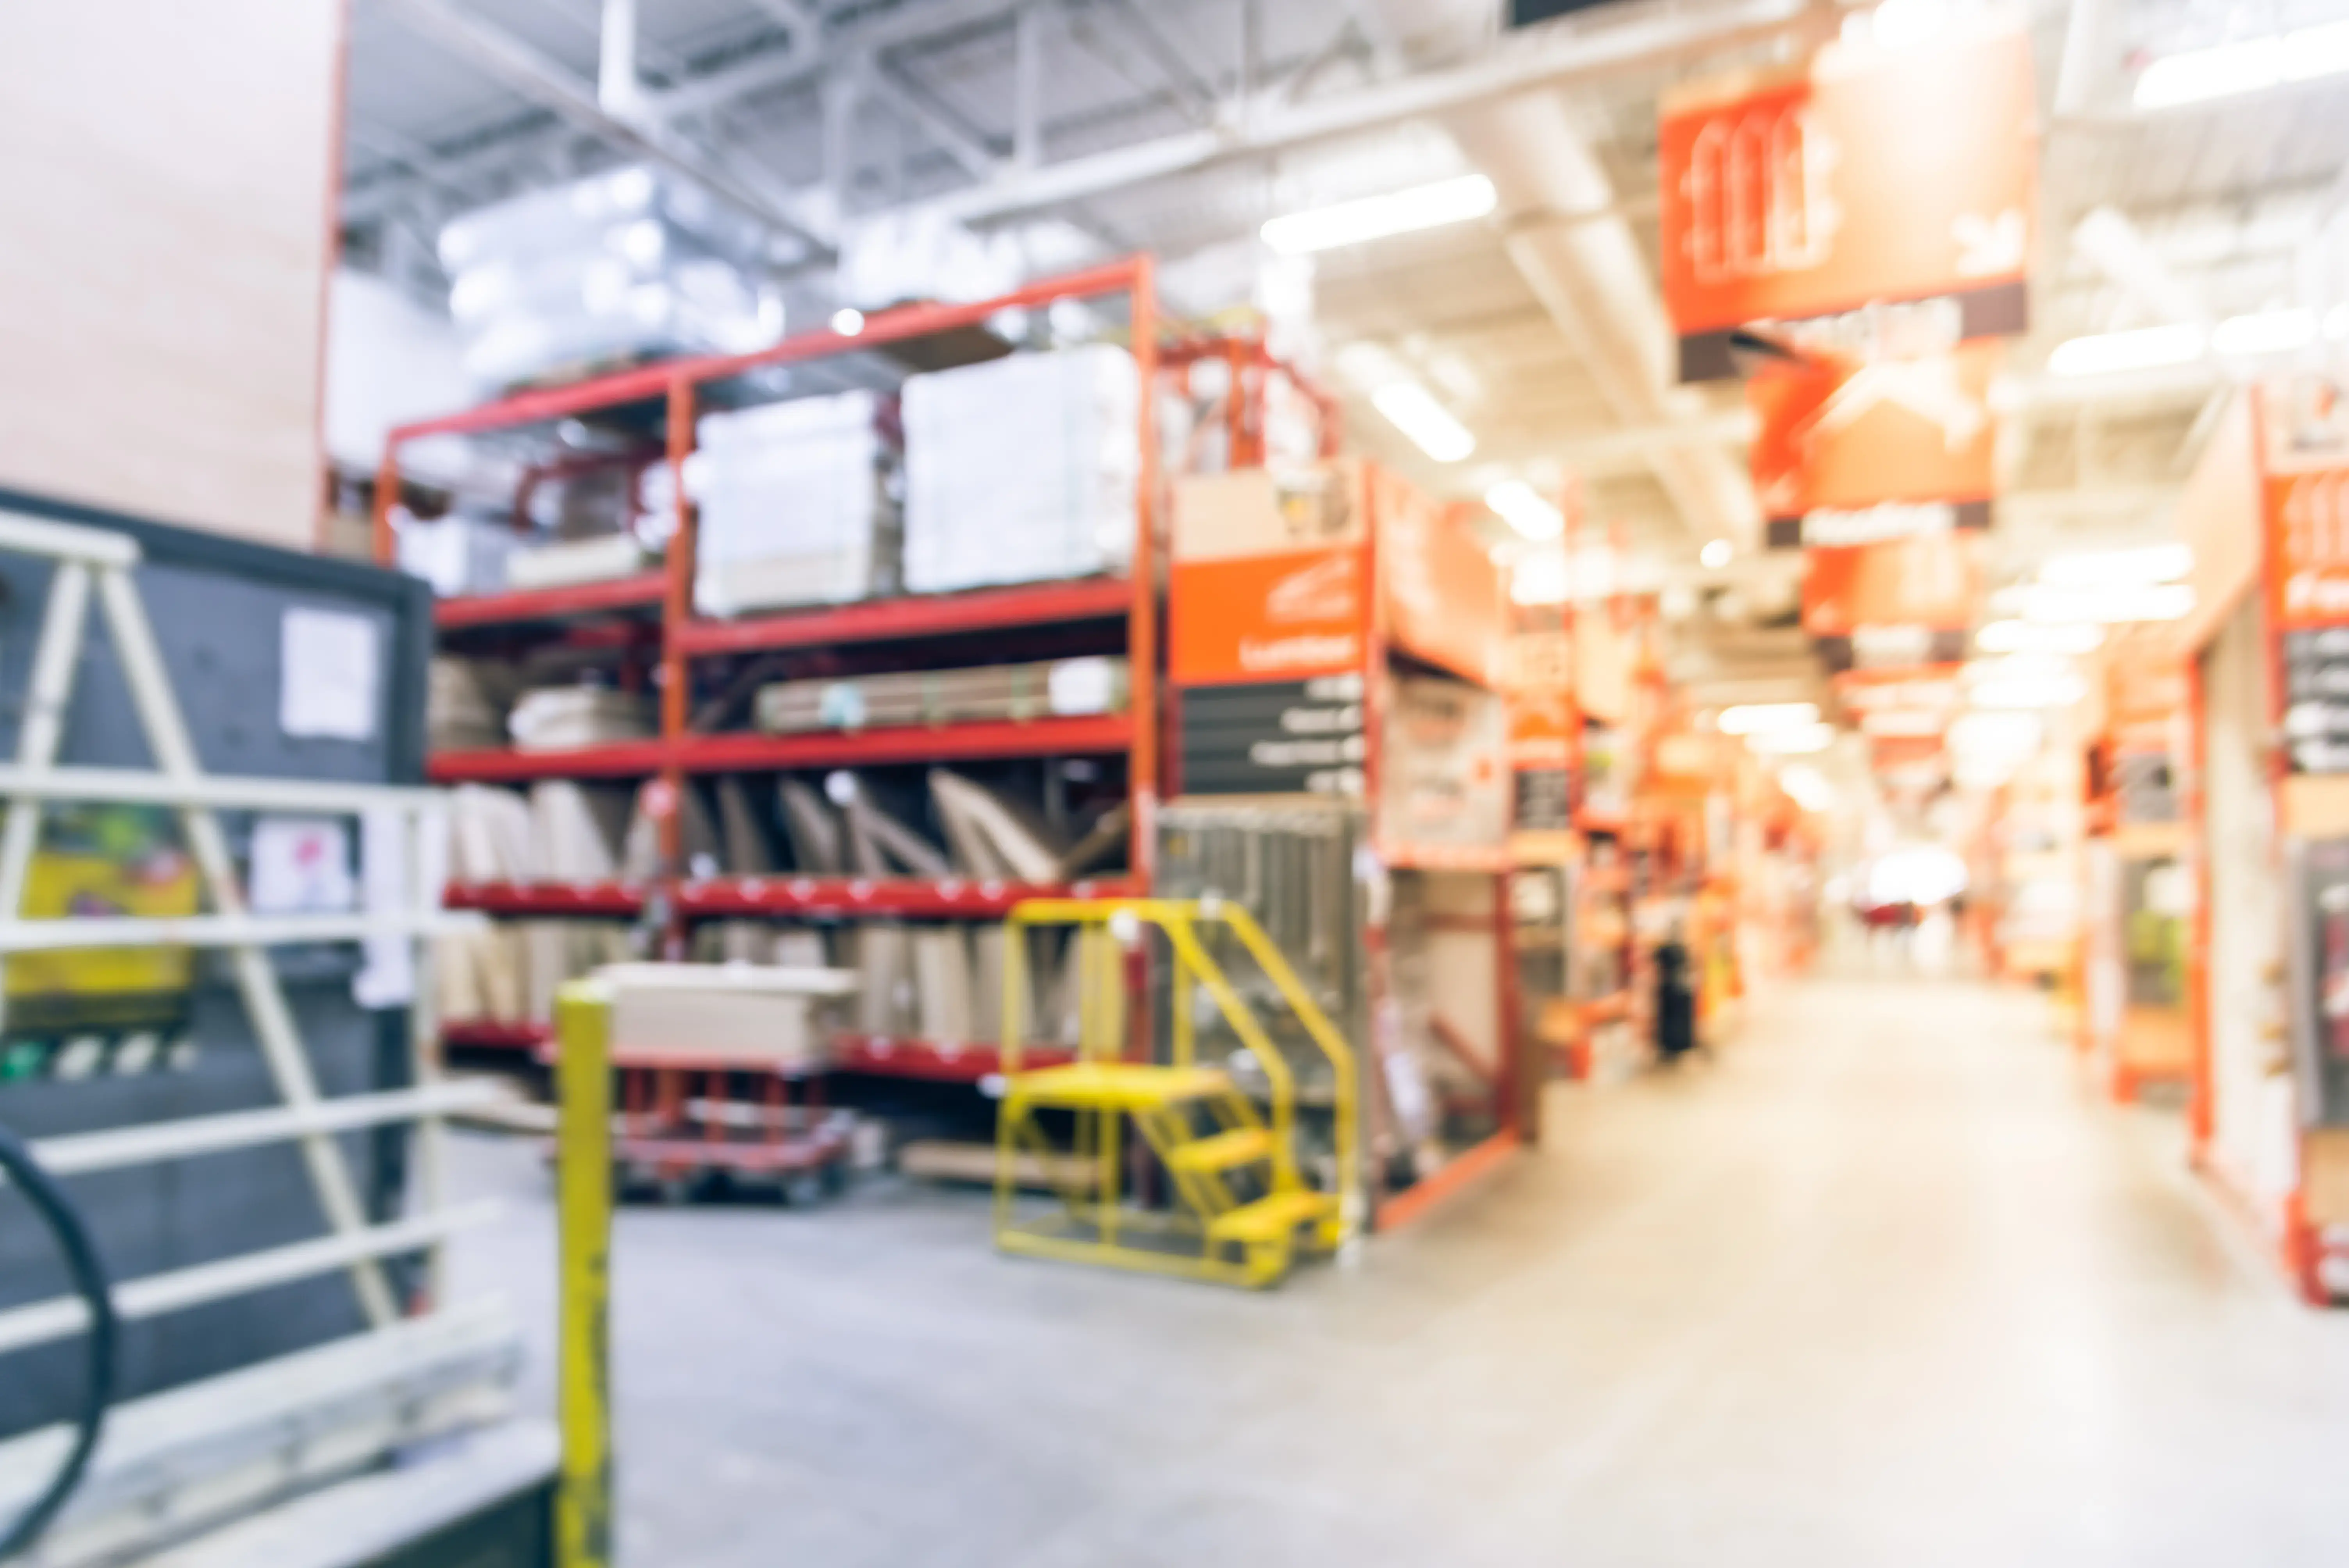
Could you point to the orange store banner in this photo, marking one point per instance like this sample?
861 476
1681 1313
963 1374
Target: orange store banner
1447 600
1866 178
1284 616
1540 699
1853 452
1893 605
2308 543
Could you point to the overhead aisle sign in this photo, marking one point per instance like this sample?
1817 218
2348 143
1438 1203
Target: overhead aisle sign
1898 184
1857 451
1893 606
1268 629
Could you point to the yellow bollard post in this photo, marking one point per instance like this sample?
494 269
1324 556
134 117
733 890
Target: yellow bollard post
583 1025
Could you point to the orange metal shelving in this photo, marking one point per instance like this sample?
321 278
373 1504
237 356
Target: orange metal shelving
674 391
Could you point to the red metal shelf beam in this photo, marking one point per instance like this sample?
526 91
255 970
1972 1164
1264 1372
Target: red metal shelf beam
528 605
952 899
626 760
932 1062
907 619
619 899
487 1036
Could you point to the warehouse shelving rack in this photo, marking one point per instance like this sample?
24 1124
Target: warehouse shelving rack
655 611
1251 368
1507 1088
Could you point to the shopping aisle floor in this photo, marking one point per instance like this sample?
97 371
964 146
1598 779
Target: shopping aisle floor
1883 1286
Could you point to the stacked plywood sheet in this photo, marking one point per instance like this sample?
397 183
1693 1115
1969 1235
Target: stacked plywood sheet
1050 688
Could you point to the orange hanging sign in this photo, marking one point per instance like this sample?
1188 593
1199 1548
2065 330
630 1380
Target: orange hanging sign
1854 452
1866 178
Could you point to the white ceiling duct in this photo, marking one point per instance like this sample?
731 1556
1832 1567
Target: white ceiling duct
1591 278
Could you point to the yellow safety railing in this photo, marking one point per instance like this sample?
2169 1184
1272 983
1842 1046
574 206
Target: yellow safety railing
1106 928
582 1517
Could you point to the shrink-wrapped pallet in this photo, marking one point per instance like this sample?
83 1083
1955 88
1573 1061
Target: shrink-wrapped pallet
1021 469
794 504
626 265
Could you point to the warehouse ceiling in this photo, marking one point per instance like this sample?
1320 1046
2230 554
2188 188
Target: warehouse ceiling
1089 126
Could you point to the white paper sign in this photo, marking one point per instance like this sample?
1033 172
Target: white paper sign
389 977
331 671
301 865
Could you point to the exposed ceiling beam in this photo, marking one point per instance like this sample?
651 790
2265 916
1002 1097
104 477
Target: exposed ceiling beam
1560 55
867 32
958 141
1194 90
2118 249
508 60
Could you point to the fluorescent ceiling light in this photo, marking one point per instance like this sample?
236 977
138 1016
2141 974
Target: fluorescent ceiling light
2145 348
2020 667
1411 409
1538 579
1716 554
2220 72
1800 740
1754 718
2119 568
1996 736
1523 509
2024 637
2061 691
2051 606
2253 65
1377 217
2268 332
1809 787
1903 723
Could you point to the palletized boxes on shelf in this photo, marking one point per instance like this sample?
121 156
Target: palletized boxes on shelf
793 503
626 265
1054 688
1021 469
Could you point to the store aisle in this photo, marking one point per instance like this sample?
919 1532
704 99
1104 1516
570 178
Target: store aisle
1881 1285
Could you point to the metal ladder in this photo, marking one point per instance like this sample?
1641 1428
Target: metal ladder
1229 1154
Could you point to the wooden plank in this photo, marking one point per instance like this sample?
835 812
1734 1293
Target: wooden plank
162 288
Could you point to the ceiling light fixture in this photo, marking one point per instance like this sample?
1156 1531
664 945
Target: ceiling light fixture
2119 568
2049 604
2267 332
2024 637
2251 65
1379 217
1809 787
1412 410
848 322
1522 508
2145 348
1755 718
2020 696
1716 554
1800 740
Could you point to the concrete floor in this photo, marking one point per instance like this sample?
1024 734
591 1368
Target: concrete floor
1883 1286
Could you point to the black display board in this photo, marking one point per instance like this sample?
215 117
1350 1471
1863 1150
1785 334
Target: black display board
1274 738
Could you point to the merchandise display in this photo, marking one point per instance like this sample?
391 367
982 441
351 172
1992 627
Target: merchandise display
796 504
618 267
1021 469
1061 688
560 717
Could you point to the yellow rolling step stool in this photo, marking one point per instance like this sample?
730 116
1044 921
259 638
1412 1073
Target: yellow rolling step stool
1242 1207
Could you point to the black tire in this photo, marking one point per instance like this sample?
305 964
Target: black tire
91 1282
